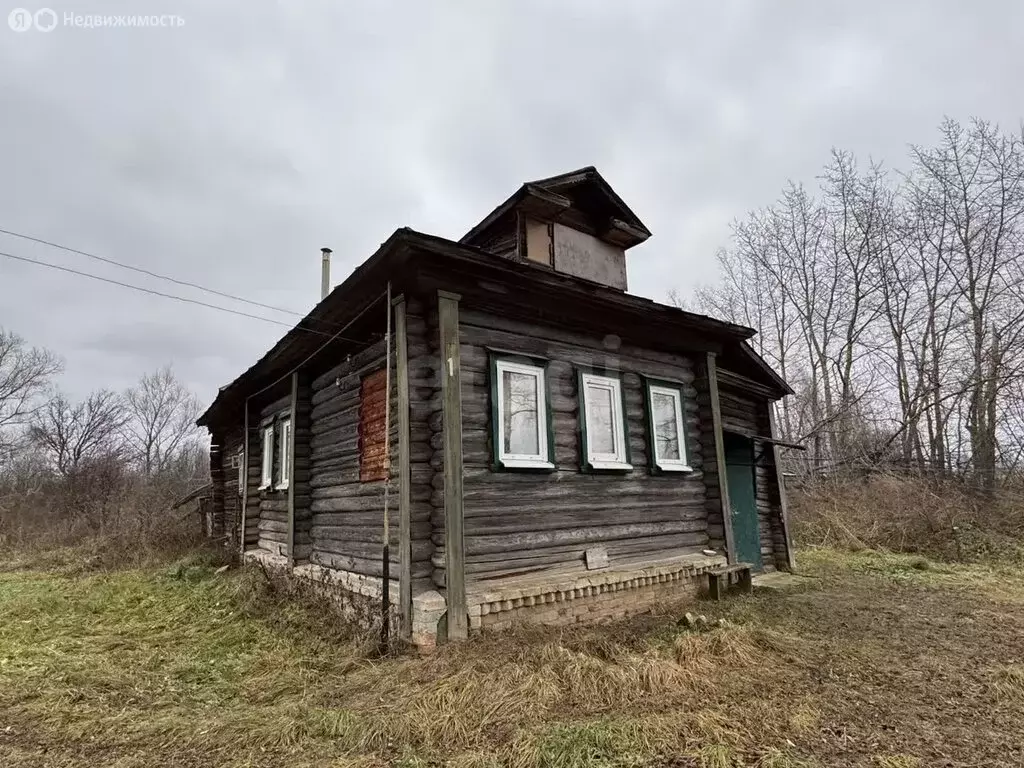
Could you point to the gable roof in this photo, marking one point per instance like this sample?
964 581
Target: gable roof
399 258
557 193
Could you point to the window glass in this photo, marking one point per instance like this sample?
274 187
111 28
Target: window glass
521 430
666 431
284 467
520 424
604 421
667 424
267 474
600 419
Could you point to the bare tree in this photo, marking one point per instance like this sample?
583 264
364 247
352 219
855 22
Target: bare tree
894 305
976 177
25 374
162 414
75 435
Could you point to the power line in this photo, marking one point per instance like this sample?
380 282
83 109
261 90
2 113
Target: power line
170 296
142 271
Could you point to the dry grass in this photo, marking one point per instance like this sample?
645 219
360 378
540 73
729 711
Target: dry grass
864 667
943 519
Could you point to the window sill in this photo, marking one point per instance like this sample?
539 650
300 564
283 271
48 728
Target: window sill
264 487
525 464
674 468
619 465
281 487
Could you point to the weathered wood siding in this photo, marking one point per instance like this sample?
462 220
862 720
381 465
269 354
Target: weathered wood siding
373 416
252 495
273 504
712 489
347 514
520 522
749 416
503 242
302 540
425 462
232 444
216 480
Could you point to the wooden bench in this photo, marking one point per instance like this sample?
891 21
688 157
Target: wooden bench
722 578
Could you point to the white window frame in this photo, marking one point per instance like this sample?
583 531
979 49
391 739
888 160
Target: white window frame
284 451
242 474
682 464
542 459
267 473
618 459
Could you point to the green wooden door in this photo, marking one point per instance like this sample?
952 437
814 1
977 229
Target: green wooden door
739 473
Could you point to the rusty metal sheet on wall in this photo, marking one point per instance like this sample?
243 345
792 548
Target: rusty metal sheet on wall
373 427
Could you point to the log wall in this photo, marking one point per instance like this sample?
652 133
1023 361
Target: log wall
232 444
749 416
524 522
346 514
252 495
273 504
301 498
712 489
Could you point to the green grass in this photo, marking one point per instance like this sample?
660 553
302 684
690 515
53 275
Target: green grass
865 665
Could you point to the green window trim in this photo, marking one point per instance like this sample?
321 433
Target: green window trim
675 389
272 451
623 462
544 460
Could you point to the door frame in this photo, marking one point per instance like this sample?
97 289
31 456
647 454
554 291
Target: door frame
742 521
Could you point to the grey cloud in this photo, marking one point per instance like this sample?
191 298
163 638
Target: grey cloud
229 150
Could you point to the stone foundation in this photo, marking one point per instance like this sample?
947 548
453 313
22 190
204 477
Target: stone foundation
357 596
550 599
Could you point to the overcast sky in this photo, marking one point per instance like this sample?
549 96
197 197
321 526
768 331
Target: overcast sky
227 150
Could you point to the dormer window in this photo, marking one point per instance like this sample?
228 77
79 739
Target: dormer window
539 242
574 223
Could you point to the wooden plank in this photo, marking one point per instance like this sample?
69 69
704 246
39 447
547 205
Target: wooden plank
245 488
404 471
723 486
290 458
783 506
372 426
455 576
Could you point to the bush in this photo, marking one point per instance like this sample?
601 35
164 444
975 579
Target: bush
946 519
108 515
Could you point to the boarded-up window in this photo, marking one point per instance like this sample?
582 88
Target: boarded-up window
538 242
373 427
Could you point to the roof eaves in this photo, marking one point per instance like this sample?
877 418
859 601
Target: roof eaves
315 315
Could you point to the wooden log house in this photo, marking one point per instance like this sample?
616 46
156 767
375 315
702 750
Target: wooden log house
550 447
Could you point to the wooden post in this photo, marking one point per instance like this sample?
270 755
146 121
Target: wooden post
723 482
783 506
455 577
216 478
290 458
245 480
404 471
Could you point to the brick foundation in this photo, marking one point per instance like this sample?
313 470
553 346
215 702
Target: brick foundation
551 599
592 597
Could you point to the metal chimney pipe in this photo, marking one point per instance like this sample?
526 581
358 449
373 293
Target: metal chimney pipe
325 274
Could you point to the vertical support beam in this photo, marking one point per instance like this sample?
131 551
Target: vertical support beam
723 482
451 398
783 505
290 458
245 480
404 471
216 480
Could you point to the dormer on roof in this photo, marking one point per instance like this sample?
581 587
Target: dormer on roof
573 223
